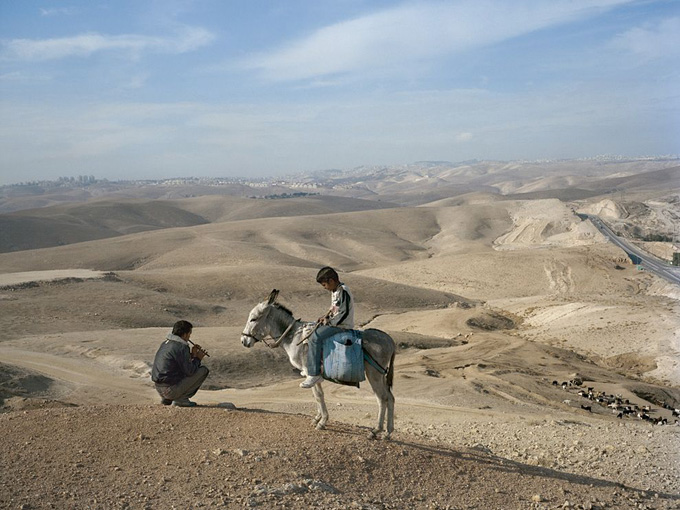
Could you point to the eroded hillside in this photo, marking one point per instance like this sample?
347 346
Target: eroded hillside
508 312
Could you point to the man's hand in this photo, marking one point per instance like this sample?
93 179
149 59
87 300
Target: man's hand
197 352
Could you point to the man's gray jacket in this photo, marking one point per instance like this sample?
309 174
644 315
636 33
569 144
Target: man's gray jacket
173 361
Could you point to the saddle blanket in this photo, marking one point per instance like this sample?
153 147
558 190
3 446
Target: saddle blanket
343 358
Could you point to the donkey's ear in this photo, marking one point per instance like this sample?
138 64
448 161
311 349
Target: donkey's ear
272 297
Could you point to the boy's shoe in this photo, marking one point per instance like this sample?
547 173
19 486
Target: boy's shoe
166 402
184 403
310 381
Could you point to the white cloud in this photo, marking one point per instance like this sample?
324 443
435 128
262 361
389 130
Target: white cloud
187 39
137 139
137 81
67 11
414 32
651 41
17 77
12 76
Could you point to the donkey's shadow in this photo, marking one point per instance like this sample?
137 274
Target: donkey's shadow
496 463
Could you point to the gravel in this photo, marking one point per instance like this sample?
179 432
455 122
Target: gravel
150 456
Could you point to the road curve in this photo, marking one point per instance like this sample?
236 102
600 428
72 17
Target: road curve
639 257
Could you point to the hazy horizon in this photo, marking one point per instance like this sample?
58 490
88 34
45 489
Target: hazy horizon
149 90
87 178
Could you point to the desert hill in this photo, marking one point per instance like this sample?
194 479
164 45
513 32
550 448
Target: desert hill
652 217
344 239
657 180
67 224
653 180
219 209
123 208
411 184
568 180
36 195
396 260
73 223
494 301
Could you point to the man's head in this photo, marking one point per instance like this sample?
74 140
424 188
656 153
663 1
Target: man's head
328 278
182 328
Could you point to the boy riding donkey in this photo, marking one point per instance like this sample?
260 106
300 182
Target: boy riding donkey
340 315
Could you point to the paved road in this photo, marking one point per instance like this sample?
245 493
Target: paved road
641 258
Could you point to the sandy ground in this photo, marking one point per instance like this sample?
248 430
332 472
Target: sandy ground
492 311
11 279
476 427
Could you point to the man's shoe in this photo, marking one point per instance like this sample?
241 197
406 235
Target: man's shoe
184 403
310 381
166 402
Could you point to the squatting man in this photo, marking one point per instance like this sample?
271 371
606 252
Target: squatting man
177 371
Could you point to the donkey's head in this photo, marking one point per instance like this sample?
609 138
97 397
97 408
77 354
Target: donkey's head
258 326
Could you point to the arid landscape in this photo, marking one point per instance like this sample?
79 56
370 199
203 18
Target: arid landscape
537 367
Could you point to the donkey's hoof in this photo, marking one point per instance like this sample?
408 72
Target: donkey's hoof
320 426
387 436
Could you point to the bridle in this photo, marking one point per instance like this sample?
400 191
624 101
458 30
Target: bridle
251 336
276 342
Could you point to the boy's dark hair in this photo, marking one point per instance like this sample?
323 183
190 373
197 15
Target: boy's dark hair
326 274
182 327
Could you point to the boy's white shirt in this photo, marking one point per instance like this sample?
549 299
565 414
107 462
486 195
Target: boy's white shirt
336 311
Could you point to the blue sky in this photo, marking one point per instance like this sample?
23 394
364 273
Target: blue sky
150 89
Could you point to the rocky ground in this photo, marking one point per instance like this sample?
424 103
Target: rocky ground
151 456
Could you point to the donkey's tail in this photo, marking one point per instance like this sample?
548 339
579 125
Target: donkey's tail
390 370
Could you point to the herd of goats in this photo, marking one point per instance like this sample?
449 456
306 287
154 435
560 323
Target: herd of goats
620 406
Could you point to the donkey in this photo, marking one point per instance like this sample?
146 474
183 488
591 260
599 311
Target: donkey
270 319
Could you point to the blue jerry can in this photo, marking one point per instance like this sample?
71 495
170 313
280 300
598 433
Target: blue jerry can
343 359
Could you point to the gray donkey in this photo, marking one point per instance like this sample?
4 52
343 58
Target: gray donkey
271 320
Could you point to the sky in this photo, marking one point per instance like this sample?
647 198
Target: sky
147 89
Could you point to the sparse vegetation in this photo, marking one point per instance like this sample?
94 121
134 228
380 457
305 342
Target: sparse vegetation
297 194
662 238
491 322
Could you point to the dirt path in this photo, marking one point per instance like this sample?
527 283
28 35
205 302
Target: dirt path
9 279
89 384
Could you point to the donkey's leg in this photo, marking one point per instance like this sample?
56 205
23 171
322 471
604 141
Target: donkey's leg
390 413
322 412
381 391
381 416
389 380
318 399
